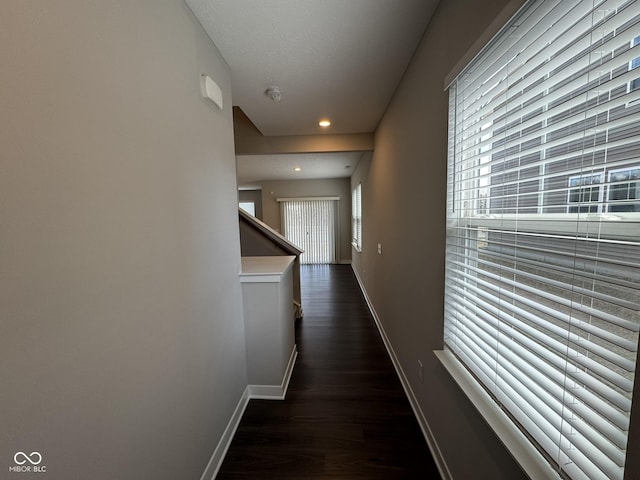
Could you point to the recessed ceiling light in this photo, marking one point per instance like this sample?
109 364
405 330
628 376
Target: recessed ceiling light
324 123
297 169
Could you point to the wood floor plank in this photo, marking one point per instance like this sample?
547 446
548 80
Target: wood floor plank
345 416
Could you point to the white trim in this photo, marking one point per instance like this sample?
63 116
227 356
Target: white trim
529 458
305 199
415 406
275 392
610 226
215 462
265 269
268 392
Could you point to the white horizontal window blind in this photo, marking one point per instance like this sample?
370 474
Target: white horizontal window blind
542 299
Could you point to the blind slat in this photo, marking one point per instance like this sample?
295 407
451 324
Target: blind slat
553 357
575 37
556 299
530 412
507 312
608 419
569 321
561 415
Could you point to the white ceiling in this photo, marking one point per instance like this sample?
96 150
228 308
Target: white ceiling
340 59
254 168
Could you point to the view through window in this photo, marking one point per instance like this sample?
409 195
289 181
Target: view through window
543 227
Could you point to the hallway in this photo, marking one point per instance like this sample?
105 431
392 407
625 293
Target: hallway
345 415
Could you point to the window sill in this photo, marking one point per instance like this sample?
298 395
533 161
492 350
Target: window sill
529 459
356 247
622 226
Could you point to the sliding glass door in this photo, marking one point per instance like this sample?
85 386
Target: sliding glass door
310 224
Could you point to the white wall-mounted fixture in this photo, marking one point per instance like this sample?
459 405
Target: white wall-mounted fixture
274 93
324 123
211 90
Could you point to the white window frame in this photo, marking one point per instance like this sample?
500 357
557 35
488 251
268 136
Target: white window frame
635 61
356 218
610 201
590 204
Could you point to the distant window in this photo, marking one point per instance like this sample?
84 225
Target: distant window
624 190
635 83
585 193
249 207
356 217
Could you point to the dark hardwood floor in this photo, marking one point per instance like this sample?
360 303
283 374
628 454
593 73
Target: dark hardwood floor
345 415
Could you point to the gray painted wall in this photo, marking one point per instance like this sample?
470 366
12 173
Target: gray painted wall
404 193
122 349
340 187
254 196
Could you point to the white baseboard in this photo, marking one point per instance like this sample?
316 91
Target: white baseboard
227 436
268 392
275 392
417 411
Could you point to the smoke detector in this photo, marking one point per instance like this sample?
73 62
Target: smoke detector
274 93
